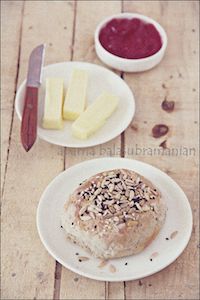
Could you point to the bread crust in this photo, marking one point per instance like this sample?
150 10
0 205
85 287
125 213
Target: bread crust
110 223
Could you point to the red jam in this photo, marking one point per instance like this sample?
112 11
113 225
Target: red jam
130 38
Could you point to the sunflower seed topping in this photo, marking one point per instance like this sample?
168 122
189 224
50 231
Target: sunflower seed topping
121 225
111 187
116 196
85 218
117 207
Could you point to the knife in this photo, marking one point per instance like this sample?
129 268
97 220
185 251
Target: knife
29 117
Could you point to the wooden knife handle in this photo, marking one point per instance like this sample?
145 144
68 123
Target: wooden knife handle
29 118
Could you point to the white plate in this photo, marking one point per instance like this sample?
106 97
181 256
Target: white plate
100 79
179 218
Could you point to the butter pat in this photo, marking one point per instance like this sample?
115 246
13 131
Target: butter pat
75 99
53 104
95 116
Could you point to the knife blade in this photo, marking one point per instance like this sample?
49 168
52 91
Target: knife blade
30 111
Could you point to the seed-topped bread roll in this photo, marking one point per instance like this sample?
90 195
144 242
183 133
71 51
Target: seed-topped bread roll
114 214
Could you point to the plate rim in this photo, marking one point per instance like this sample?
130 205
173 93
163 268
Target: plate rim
86 274
79 145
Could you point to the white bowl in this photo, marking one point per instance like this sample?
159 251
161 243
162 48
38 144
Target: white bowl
130 65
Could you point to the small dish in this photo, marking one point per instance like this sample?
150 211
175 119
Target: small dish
169 244
100 79
130 65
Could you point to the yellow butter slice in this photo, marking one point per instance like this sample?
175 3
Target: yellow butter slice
95 116
52 118
75 99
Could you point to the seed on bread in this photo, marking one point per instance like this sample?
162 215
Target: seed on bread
121 225
131 195
85 218
130 223
117 207
82 210
112 209
98 191
116 195
111 187
145 208
129 182
92 215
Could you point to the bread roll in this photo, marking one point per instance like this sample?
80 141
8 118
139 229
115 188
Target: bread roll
114 214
